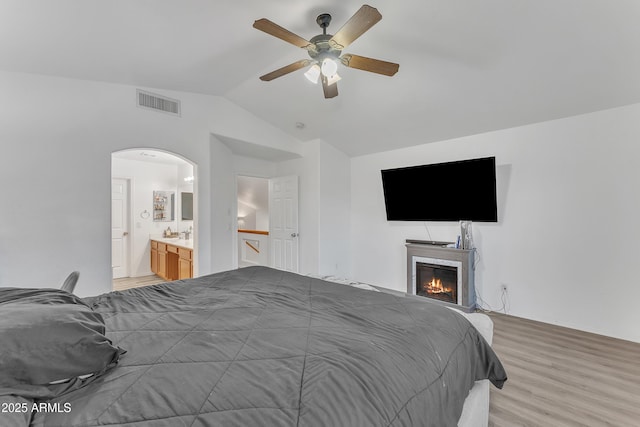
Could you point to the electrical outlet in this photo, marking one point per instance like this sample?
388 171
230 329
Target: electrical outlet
503 288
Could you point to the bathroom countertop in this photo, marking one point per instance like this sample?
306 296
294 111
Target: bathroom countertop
183 243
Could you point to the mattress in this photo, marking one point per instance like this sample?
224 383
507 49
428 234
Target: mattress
475 412
259 346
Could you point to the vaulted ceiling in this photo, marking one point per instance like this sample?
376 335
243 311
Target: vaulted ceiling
466 66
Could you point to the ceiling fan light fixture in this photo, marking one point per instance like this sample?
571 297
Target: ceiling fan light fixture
325 50
313 74
333 79
329 67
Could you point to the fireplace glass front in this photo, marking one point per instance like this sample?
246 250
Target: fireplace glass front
437 281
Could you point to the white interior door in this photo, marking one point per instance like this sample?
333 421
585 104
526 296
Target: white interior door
120 227
283 223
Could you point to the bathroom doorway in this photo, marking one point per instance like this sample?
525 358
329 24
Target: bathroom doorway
149 172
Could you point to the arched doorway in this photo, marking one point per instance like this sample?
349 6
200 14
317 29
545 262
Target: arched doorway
140 177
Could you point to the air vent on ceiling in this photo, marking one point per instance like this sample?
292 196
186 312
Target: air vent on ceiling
158 102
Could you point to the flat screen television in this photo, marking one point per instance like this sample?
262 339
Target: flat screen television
454 191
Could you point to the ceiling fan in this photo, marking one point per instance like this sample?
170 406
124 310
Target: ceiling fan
325 49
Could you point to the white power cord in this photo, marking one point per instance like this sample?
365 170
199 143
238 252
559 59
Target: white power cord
484 306
428 232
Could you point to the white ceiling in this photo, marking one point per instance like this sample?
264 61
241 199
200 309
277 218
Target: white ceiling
466 66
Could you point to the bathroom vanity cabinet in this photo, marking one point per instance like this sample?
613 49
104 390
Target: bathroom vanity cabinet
172 259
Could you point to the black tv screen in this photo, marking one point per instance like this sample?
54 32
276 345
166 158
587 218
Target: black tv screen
455 191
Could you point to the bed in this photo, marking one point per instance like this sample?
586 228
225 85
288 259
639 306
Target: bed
253 346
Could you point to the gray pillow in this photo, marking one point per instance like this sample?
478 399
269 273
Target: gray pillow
49 335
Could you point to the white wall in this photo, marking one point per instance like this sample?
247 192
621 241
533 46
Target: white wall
566 240
57 136
224 207
253 219
262 219
246 216
253 201
249 166
334 212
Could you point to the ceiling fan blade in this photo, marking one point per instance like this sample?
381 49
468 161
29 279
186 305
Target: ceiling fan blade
282 33
330 90
365 18
285 70
369 64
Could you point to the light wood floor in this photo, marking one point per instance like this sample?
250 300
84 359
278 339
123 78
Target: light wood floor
136 282
563 377
557 376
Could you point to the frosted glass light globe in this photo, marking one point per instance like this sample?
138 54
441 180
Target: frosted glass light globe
329 67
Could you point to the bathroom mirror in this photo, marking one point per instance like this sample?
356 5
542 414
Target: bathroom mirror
186 204
163 203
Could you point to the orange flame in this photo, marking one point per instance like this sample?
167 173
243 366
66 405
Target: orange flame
435 287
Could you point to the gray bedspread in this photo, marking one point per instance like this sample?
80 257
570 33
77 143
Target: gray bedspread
263 347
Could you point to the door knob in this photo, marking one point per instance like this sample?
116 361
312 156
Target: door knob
294 234
126 233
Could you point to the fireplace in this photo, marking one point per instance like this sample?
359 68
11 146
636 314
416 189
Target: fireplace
441 274
437 281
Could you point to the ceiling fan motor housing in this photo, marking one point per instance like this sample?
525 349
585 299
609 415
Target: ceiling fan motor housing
323 48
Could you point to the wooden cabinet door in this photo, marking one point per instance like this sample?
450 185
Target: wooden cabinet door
154 261
185 266
171 262
184 269
162 265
